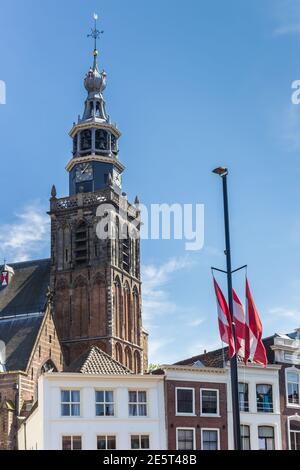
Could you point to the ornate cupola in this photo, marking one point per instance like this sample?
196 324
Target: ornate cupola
95 163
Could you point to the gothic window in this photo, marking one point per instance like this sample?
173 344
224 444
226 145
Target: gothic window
101 140
86 140
136 317
119 353
127 313
126 251
128 358
137 362
81 243
118 308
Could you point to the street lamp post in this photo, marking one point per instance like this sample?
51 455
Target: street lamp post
223 172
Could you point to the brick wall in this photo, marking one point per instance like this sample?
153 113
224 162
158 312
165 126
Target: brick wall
197 422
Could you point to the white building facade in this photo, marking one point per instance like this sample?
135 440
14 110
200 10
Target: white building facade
81 411
259 400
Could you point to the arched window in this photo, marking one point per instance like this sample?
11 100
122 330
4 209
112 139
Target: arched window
119 353
136 316
49 366
81 244
127 313
137 362
118 317
86 140
128 358
101 140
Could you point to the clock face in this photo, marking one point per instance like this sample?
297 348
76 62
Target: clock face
84 172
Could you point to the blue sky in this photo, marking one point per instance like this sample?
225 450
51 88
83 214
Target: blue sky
192 85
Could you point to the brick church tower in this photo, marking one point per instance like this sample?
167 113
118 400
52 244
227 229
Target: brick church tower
96 280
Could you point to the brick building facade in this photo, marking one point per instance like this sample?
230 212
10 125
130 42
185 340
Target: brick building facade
196 407
31 344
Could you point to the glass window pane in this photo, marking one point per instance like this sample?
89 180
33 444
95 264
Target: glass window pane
101 443
132 397
142 410
77 443
209 402
109 397
210 440
132 410
65 410
65 396
111 442
75 396
75 410
264 398
185 401
292 377
109 410
142 397
99 410
66 443
135 442
185 439
265 431
99 397
145 444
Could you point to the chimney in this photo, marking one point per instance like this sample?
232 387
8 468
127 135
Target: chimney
7 274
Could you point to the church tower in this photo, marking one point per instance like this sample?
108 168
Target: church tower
95 279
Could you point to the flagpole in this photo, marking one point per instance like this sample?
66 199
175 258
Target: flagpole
223 172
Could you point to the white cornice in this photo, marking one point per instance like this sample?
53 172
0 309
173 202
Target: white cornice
94 124
94 158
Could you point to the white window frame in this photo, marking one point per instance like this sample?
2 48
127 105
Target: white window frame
74 389
244 382
268 425
106 435
137 403
293 370
248 424
71 436
211 429
265 413
182 428
212 415
176 401
104 403
296 417
140 434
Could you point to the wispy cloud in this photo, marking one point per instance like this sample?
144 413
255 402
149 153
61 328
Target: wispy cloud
27 236
156 299
287 13
285 313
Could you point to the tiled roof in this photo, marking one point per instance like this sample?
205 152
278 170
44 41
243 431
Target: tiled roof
95 361
19 336
26 293
219 357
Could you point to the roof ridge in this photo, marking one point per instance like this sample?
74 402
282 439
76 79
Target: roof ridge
97 349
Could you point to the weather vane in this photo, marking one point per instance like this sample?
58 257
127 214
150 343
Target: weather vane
95 33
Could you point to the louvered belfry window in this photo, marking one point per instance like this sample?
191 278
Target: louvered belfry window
81 244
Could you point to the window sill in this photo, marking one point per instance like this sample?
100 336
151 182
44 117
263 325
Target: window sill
186 414
292 405
210 415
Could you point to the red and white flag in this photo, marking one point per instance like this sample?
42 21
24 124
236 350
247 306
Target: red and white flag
254 347
224 318
240 324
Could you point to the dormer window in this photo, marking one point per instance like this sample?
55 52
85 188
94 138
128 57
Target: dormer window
292 386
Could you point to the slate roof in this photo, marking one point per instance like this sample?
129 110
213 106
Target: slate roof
22 304
26 293
19 336
96 361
